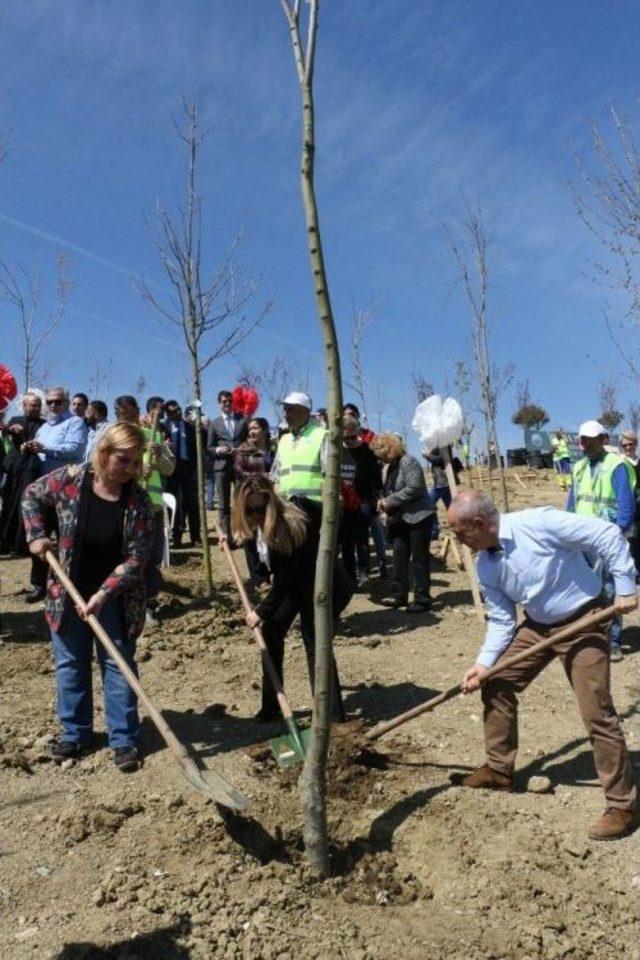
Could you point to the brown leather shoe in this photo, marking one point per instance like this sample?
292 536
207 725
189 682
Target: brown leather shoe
613 824
484 778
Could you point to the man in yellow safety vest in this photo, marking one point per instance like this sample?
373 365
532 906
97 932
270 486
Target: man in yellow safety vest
602 486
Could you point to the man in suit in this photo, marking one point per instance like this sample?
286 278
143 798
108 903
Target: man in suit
226 432
183 484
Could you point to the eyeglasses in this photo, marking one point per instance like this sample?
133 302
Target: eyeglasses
54 402
629 445
257 511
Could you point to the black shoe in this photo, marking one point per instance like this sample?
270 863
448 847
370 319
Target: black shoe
126 759
267 716
65 750
419 606
392 602
36 595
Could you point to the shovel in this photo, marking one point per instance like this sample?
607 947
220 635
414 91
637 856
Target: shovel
606 613
291 748
206 781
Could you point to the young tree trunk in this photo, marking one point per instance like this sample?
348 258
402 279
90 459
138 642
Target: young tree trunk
313 778
202 503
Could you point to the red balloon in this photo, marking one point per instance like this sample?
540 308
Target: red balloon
8 386
245 401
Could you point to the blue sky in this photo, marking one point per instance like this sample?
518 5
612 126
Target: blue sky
416 104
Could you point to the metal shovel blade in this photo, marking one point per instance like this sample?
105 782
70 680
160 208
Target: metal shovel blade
289 750
213 785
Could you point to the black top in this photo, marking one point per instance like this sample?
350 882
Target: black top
101 547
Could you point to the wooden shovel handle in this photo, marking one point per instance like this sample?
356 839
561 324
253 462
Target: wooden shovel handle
165 731
569 631
257 632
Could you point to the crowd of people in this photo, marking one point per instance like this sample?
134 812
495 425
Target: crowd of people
95 492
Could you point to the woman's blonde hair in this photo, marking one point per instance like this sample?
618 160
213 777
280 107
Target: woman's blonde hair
285 525
387 446
121 436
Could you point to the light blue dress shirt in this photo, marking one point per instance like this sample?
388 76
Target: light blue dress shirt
64 439
542 564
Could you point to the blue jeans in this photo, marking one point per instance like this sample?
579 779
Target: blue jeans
73 653
615 630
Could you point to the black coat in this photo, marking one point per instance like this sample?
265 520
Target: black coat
20 469
219 436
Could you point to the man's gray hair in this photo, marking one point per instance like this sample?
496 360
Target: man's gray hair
65 393
469 504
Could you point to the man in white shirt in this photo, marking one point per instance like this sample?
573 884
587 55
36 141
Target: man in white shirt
538 558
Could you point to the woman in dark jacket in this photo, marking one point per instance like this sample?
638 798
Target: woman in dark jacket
409 514
289 545
105 527
254 456
21 467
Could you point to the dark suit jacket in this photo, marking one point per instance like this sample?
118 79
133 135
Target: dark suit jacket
218 436
191 442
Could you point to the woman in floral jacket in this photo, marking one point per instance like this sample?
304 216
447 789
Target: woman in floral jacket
105 525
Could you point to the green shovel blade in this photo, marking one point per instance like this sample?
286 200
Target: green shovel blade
289 750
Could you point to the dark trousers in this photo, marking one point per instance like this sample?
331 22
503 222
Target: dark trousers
274 631
223 480
183 484
410 541
353 527
152 574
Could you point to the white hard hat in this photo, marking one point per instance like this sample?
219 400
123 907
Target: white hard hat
298 399
591 428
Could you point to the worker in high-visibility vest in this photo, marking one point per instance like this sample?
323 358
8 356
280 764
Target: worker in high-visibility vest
298 469
561 458
602 485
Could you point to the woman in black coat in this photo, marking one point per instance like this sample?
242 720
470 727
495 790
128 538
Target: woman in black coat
288 544
20 467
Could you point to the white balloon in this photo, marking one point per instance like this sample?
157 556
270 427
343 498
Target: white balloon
438 423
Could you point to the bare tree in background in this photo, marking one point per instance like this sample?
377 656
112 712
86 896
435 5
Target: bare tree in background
362 320
462 381
610 208
139 389
99 383
634 417
23 291
206 312
610 417
527 412
313 777
274 382
381 405
422 388
472 258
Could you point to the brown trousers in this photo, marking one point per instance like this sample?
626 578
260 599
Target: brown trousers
585 659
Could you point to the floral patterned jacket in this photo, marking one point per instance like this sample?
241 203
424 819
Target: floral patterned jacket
61 491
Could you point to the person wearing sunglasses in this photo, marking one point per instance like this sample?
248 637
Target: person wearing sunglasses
105 528
62 439
288 544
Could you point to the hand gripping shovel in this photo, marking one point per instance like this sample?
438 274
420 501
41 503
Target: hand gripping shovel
606 613
206 781
291 748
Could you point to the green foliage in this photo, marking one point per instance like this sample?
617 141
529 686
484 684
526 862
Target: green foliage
530 415
611 418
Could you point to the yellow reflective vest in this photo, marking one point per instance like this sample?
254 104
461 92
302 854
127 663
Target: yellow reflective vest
299 463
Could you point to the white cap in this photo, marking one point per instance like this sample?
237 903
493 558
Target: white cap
298 399
591 428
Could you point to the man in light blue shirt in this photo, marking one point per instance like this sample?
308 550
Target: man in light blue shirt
63 438
542 560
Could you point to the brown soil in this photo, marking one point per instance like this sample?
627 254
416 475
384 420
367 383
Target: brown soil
99 864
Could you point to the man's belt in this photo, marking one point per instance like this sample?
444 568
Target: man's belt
546 628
